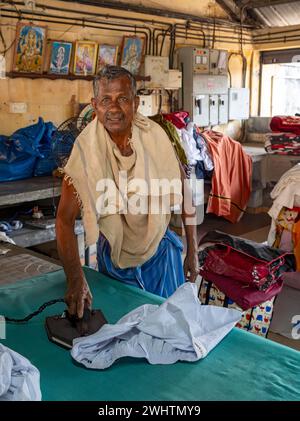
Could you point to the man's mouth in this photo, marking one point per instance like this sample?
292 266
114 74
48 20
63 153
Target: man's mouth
114 119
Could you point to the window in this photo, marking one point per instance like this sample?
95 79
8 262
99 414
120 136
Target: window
280 83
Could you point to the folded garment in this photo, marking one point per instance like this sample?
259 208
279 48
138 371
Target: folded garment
19 379
180 329
243 295
280 123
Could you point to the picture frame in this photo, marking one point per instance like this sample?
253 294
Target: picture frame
30 47
60 57
107 55
132 53
85 57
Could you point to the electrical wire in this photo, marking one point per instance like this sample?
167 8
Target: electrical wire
35 313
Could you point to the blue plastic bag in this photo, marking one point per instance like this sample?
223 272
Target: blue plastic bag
46 163
19 152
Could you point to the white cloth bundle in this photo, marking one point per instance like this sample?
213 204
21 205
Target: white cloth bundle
180 329
19 379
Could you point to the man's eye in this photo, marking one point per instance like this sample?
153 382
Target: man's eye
123 99
105 101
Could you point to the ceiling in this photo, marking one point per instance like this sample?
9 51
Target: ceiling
265 13
254 14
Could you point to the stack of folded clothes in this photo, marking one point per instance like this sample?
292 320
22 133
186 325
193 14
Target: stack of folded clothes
285 136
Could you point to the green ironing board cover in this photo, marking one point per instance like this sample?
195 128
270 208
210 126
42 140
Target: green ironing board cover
242 367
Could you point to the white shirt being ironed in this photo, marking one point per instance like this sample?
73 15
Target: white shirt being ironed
180 329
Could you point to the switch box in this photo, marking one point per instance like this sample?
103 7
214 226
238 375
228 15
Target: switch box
218 62
239 103
18 107
147 105
157 68
174 80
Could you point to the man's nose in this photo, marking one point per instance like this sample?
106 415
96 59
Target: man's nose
114 106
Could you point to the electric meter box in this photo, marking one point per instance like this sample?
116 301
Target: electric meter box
197 59
204 92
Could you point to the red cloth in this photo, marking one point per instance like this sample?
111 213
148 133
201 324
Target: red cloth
245 297
232 176
285 124
177 118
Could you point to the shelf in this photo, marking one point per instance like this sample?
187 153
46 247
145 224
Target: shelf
28 237
29 189
13 75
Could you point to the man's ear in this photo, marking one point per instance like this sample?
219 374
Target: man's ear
136 103
94 102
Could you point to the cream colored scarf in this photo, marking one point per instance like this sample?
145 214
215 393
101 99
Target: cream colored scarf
133 238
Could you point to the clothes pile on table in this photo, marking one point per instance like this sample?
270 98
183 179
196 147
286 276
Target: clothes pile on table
242 274
285 136
285 234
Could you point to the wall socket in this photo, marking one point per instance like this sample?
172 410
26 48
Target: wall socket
18 107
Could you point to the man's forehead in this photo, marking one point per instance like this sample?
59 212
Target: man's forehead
122 83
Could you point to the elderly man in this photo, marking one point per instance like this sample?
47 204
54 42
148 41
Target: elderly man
113 178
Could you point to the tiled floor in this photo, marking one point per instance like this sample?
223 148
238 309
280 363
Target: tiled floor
249 224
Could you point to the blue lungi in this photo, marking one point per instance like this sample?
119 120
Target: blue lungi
162 274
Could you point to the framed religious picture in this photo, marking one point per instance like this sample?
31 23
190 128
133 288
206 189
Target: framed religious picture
107 54
60 57
85 57
132 53
30 48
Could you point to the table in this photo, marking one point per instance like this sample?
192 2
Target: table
35 263
242 367
28 190
34 189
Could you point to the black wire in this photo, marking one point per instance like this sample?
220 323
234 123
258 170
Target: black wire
214 34
2 39
35 313
160 103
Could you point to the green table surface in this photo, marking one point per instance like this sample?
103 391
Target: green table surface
242 367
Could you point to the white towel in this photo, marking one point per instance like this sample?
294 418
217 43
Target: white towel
180 329
19 379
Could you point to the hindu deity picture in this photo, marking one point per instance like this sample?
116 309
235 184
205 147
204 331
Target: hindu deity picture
107 54
85 58
132 54
29 48
60 57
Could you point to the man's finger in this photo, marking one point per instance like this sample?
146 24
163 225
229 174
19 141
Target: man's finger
80 307
185 270
89 301
72 307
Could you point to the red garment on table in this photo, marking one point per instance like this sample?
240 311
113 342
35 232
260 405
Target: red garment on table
283 123
232 176
177 118
245 297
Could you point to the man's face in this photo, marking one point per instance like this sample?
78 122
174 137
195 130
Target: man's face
116 105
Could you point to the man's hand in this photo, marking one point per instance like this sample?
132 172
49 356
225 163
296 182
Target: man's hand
78 296
191 266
